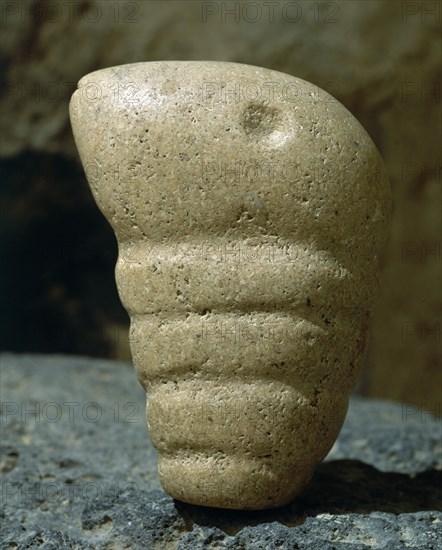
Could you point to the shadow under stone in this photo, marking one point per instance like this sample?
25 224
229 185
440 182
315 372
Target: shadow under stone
338 487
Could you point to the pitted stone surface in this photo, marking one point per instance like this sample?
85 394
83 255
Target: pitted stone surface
65 485
249 228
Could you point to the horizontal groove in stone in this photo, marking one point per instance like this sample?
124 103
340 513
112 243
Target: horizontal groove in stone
297 311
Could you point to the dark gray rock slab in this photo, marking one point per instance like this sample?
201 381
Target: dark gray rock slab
79 472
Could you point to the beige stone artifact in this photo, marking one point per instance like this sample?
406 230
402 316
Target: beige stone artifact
249 207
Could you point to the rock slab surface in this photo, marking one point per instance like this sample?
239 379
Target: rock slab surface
78 472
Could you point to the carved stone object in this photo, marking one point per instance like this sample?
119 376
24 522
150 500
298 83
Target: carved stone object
250 208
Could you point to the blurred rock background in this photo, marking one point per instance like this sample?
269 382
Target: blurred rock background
380 59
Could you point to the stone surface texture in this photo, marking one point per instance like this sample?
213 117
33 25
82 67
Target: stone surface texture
380 59
73 478
249 232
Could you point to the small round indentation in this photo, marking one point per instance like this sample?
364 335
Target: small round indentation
259 119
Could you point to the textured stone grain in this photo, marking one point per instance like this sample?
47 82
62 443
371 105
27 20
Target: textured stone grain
249 232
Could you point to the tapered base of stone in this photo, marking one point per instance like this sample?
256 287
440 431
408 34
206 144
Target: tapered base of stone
236 444
233 482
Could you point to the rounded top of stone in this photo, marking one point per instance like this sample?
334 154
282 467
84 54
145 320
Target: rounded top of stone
187 68
180 149
214 83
